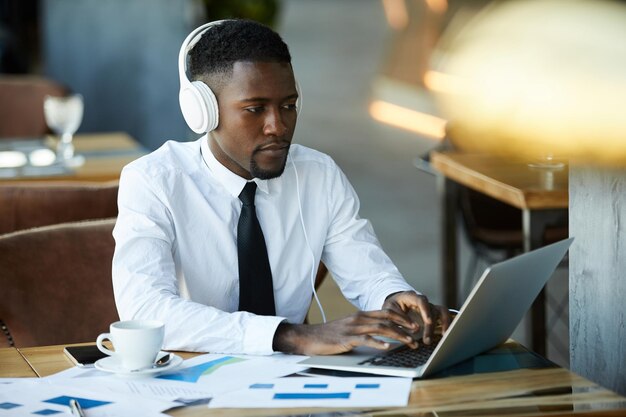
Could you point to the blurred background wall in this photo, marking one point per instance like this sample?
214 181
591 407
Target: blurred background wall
120 56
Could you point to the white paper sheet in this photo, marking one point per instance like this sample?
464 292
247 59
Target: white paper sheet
42 398
199 378
318 392
150 387
223 373
11 381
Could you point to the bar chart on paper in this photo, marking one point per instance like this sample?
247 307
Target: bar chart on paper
217 374
319 392
24 403
40 398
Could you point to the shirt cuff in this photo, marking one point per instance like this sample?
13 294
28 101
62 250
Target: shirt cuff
259 334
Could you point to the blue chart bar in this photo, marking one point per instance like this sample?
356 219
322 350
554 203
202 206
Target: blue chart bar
315 385
47 412
367 386
311 396
261 386
85 403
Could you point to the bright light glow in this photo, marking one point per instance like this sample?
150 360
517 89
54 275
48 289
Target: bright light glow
42 157
12 159
527 78
439 82
437 6
421 123
396 13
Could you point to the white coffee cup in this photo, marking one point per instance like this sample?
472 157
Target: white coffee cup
137 342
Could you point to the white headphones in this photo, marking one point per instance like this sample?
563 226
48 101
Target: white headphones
197 102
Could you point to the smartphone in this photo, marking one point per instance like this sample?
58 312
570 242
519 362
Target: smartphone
84 355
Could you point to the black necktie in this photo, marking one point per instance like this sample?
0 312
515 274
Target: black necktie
256 291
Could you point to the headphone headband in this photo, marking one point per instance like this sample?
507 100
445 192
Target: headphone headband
198 104
189 42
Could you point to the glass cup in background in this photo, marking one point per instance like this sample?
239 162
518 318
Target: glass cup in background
547 165
64 115
547 161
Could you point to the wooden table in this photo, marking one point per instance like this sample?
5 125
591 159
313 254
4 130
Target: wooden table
537 192
14 365
105 156
540 391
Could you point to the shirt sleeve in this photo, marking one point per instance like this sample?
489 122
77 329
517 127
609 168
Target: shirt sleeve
146 286
353 254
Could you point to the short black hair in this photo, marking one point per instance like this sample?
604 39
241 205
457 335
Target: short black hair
231 41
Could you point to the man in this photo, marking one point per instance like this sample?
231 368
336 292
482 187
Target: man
179 239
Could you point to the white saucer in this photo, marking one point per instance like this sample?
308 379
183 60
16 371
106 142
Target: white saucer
113 365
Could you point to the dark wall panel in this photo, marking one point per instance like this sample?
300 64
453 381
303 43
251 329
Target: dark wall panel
122 56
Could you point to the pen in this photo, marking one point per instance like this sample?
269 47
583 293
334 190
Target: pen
76 410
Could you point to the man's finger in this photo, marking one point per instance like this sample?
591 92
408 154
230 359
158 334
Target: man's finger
387 330
444 317
369 341
394 316
429 316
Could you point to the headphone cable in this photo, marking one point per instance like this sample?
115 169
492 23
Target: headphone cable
306 238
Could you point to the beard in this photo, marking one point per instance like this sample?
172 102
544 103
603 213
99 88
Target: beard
266 174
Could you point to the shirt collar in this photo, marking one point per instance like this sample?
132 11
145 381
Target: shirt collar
232 182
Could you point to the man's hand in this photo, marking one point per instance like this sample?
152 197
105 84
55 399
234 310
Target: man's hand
423 316
345 334
404 315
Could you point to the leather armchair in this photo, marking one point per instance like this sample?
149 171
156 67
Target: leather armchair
56 283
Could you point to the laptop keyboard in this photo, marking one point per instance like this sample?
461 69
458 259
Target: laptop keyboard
403 356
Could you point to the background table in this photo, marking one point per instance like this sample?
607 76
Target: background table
537 192
466 390
105 156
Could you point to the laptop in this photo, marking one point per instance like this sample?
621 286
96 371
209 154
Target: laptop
488 317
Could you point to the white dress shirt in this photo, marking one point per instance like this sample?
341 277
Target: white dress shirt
176 246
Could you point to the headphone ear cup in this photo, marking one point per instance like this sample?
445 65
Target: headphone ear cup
210 101
199 107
